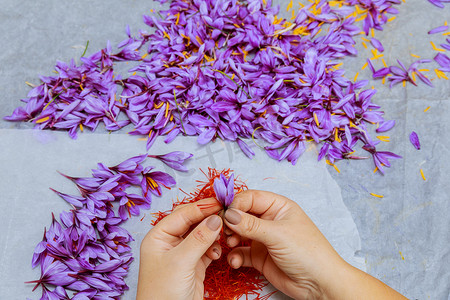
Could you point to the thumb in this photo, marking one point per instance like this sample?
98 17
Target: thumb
249 226
195 245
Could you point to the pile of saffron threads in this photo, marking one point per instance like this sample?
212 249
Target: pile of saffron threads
86 254
225 70
222 281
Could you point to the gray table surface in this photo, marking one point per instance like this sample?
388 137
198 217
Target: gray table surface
405 235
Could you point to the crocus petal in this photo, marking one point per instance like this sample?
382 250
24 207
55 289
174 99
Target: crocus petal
385 126
414 139
438 29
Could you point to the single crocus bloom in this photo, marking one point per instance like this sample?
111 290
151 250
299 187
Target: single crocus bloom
175 159
224 189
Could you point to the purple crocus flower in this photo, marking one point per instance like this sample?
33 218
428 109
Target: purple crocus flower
174 159
224 189
131 204
414 139
380 158
152 181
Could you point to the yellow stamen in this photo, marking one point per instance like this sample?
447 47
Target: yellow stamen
440 74
232 76
361 18
333 165
436 48
150 133
178 19
378 56
375 170
333 3
152 182
391 19
167 110
144 56
404 83
376 195
423 175
30 84
446 33
42 120
81 127
364 45
426 109
166 35
277 20
336 66
384 63
423 70
413 76
364 66
416 56
336 168
134 73
159 104
81 87
383 81
365 39
383 138
356 76
336 135
289 6
374 52
372 32
316 119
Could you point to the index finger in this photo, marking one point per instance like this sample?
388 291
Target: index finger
180 220
267 205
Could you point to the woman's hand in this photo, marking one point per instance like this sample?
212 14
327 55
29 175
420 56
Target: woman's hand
174 256
292 253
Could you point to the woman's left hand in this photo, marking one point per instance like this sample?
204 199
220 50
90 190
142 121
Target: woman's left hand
174 256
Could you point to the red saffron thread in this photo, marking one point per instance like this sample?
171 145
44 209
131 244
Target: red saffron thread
222 281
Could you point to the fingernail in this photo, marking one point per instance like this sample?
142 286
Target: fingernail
213 222
232 216
216 251
232 264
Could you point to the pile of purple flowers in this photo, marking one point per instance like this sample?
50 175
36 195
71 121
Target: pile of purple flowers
223 69
87 252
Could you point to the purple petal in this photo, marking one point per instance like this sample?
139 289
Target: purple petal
385 126
438 29
377 44
414 138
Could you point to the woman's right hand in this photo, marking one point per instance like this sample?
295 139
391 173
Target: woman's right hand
291 252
